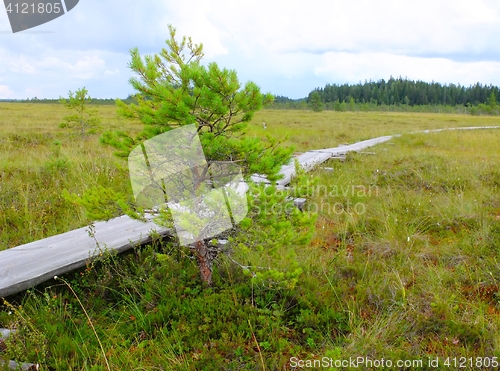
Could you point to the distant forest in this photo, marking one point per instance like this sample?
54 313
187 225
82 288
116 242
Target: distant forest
399 95
403 91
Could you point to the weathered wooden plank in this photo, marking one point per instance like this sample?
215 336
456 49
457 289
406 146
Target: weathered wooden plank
27 265
312 158
306 160
299 202
462 128
357 146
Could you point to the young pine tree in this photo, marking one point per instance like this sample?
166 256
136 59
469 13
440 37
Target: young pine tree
83 118
174 89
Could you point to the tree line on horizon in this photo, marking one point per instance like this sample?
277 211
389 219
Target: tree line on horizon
398 95
393 94
404 91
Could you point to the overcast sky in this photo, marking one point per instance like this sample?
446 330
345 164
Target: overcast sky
286 47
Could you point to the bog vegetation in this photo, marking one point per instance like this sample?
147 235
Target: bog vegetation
403 263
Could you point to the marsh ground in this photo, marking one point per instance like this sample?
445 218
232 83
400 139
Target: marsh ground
403 264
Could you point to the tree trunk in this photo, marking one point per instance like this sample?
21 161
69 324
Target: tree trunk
205 261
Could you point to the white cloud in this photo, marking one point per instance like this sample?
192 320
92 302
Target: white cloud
22 64
424 27
69 64
112 72
55 72
32 92
6 92
348 67
191 20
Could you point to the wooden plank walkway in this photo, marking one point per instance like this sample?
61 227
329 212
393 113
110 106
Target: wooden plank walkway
310 159
27 265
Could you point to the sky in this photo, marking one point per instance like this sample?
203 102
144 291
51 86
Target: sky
286 47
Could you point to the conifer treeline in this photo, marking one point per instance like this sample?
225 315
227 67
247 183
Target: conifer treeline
404 91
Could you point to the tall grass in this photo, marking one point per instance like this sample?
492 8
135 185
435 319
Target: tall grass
38 160
403 264
418 269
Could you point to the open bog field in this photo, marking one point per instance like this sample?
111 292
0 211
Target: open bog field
38 159
404 263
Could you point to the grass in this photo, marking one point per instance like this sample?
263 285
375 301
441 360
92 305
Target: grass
312 130
419 266
403 264
38 160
